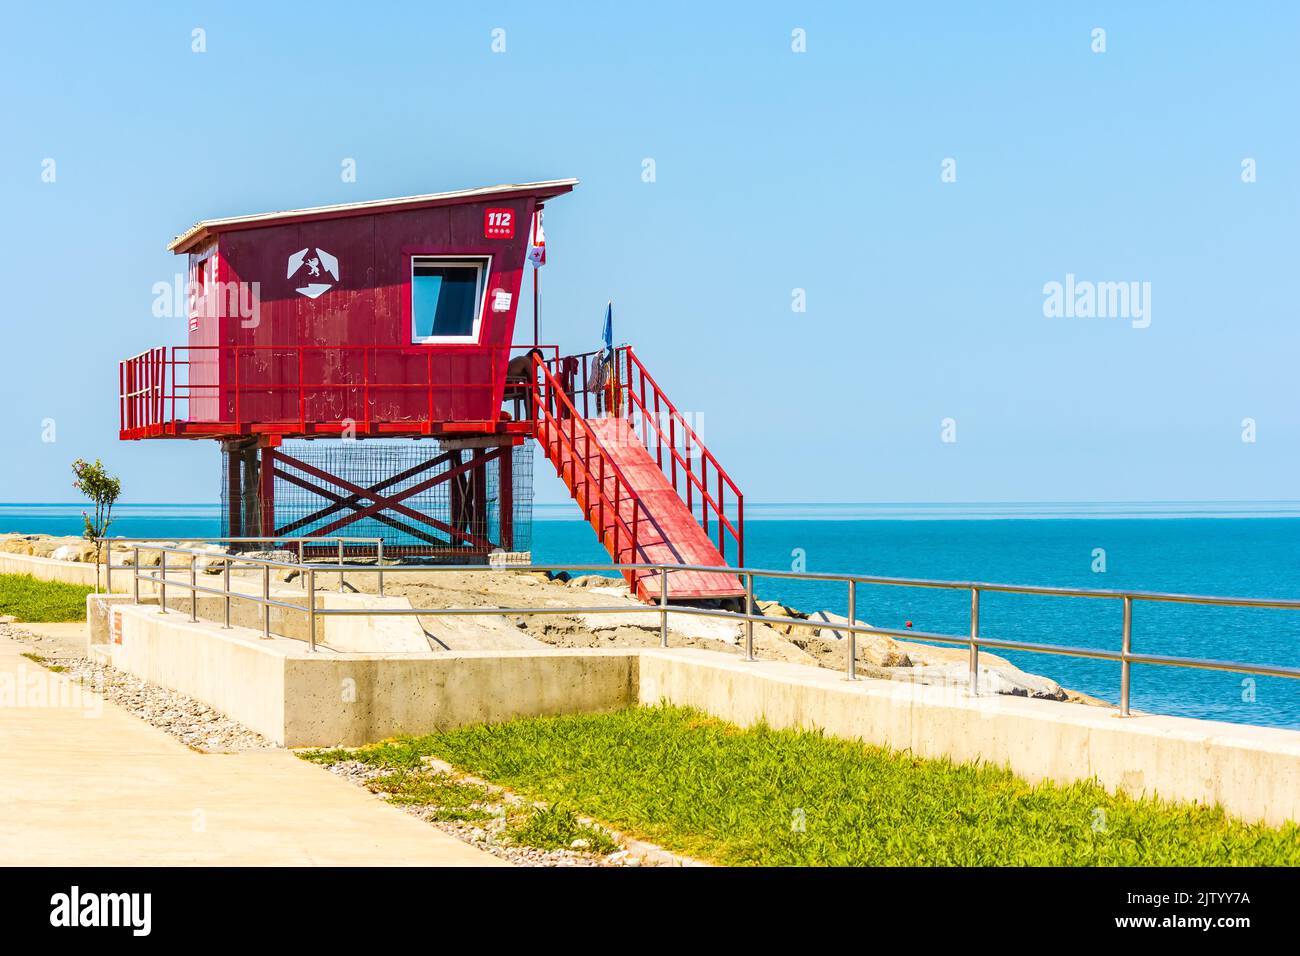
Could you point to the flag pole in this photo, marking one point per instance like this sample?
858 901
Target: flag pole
536 255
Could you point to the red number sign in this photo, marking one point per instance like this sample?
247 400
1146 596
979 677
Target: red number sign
499 224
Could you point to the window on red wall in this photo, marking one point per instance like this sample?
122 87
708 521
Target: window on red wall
447 298
203 276
202 279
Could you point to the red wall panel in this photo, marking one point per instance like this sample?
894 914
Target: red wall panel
201 375
307 356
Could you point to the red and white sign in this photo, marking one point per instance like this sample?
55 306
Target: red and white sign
498 223
537 242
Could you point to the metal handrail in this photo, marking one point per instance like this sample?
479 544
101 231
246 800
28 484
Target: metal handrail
301 540
1126 657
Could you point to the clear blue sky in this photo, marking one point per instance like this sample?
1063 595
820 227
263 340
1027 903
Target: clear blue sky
775 171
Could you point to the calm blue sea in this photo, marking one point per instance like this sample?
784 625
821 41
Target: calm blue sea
1249 549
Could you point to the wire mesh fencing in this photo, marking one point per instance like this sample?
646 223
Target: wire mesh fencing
450 501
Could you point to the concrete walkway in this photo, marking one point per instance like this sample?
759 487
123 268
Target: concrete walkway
84 783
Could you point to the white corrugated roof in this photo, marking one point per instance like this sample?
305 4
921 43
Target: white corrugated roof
199 227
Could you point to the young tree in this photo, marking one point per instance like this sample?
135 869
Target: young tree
102 489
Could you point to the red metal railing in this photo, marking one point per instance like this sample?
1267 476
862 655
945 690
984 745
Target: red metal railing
142 389
627 390
159 395
560 428
639 391
302 388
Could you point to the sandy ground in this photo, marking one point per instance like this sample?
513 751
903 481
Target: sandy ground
783 638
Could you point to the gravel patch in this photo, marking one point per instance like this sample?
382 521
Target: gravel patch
191 721
492 836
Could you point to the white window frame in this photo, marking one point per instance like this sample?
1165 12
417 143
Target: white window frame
484 264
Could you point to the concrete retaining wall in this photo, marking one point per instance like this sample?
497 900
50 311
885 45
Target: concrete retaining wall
301 699
69 572
232 673
351 700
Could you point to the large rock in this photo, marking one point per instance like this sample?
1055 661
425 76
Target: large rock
83 553
21 544
646 620
64 548
877 649
995 679
153 558
213 561
595 581
779 611
45 547
699 628
283 555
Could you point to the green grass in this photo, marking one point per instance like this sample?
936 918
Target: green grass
558 828
45 662
34 601
708 789
450 800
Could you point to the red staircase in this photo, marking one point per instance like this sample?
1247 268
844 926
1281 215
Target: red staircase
620 459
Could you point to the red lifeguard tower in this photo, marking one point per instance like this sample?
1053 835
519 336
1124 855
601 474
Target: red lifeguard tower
322 340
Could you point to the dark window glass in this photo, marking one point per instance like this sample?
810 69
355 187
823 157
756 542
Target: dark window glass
444 299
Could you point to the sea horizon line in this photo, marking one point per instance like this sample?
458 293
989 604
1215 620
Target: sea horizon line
827 511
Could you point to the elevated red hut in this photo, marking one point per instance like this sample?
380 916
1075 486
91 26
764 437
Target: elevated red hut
394 319
412 299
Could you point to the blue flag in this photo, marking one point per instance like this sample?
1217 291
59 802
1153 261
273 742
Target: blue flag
608 332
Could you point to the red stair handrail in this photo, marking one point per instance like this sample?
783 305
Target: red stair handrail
708 503
555 395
